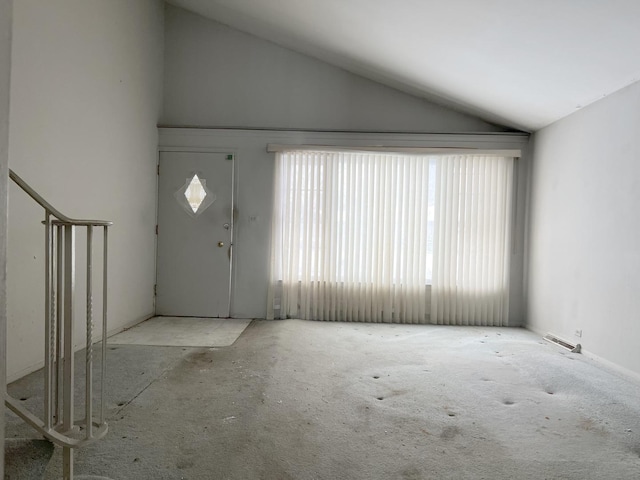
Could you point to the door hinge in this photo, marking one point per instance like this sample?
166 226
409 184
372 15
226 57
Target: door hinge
155 290
156 229
158 169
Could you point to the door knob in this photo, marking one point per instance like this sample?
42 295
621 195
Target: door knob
221 244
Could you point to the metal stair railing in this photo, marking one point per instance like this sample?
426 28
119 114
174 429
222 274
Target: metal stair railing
59 424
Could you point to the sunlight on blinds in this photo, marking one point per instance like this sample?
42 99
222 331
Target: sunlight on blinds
472 236
353 235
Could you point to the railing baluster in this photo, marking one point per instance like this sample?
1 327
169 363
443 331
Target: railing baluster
69 281
59 375
68 400
103 368
89 345
53 382
47 322
52 322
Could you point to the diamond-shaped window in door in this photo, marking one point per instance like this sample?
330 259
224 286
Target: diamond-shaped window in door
194 196
195 193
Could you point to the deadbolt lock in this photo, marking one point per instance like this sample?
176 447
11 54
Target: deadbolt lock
221 244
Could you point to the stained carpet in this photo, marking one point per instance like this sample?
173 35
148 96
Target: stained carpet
308 400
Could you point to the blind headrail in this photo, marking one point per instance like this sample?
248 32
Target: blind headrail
50 208
515 153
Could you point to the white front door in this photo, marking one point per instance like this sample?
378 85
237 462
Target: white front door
195 231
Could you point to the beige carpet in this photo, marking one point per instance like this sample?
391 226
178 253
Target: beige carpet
183 332
296 400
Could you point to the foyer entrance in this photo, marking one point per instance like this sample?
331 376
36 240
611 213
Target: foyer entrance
195 234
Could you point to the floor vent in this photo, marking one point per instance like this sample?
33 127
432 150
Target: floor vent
549 337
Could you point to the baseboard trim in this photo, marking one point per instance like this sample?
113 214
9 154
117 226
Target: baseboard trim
615 368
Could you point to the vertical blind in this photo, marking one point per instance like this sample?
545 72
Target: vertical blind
471 245
355 234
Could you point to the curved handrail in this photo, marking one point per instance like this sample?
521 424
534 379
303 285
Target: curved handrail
53 211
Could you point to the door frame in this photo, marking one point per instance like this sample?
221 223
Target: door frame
234 186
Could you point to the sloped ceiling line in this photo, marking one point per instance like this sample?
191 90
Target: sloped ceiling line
519 63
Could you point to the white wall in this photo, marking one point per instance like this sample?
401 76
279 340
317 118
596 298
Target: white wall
254 169
585 229
86 97
5 75
216 76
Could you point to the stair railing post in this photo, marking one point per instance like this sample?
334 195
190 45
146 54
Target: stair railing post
89 345
59 374
103 366
68 403
49 325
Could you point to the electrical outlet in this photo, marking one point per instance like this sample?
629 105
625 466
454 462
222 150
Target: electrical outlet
578 333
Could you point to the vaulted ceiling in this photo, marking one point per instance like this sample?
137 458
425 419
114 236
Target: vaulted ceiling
521 63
